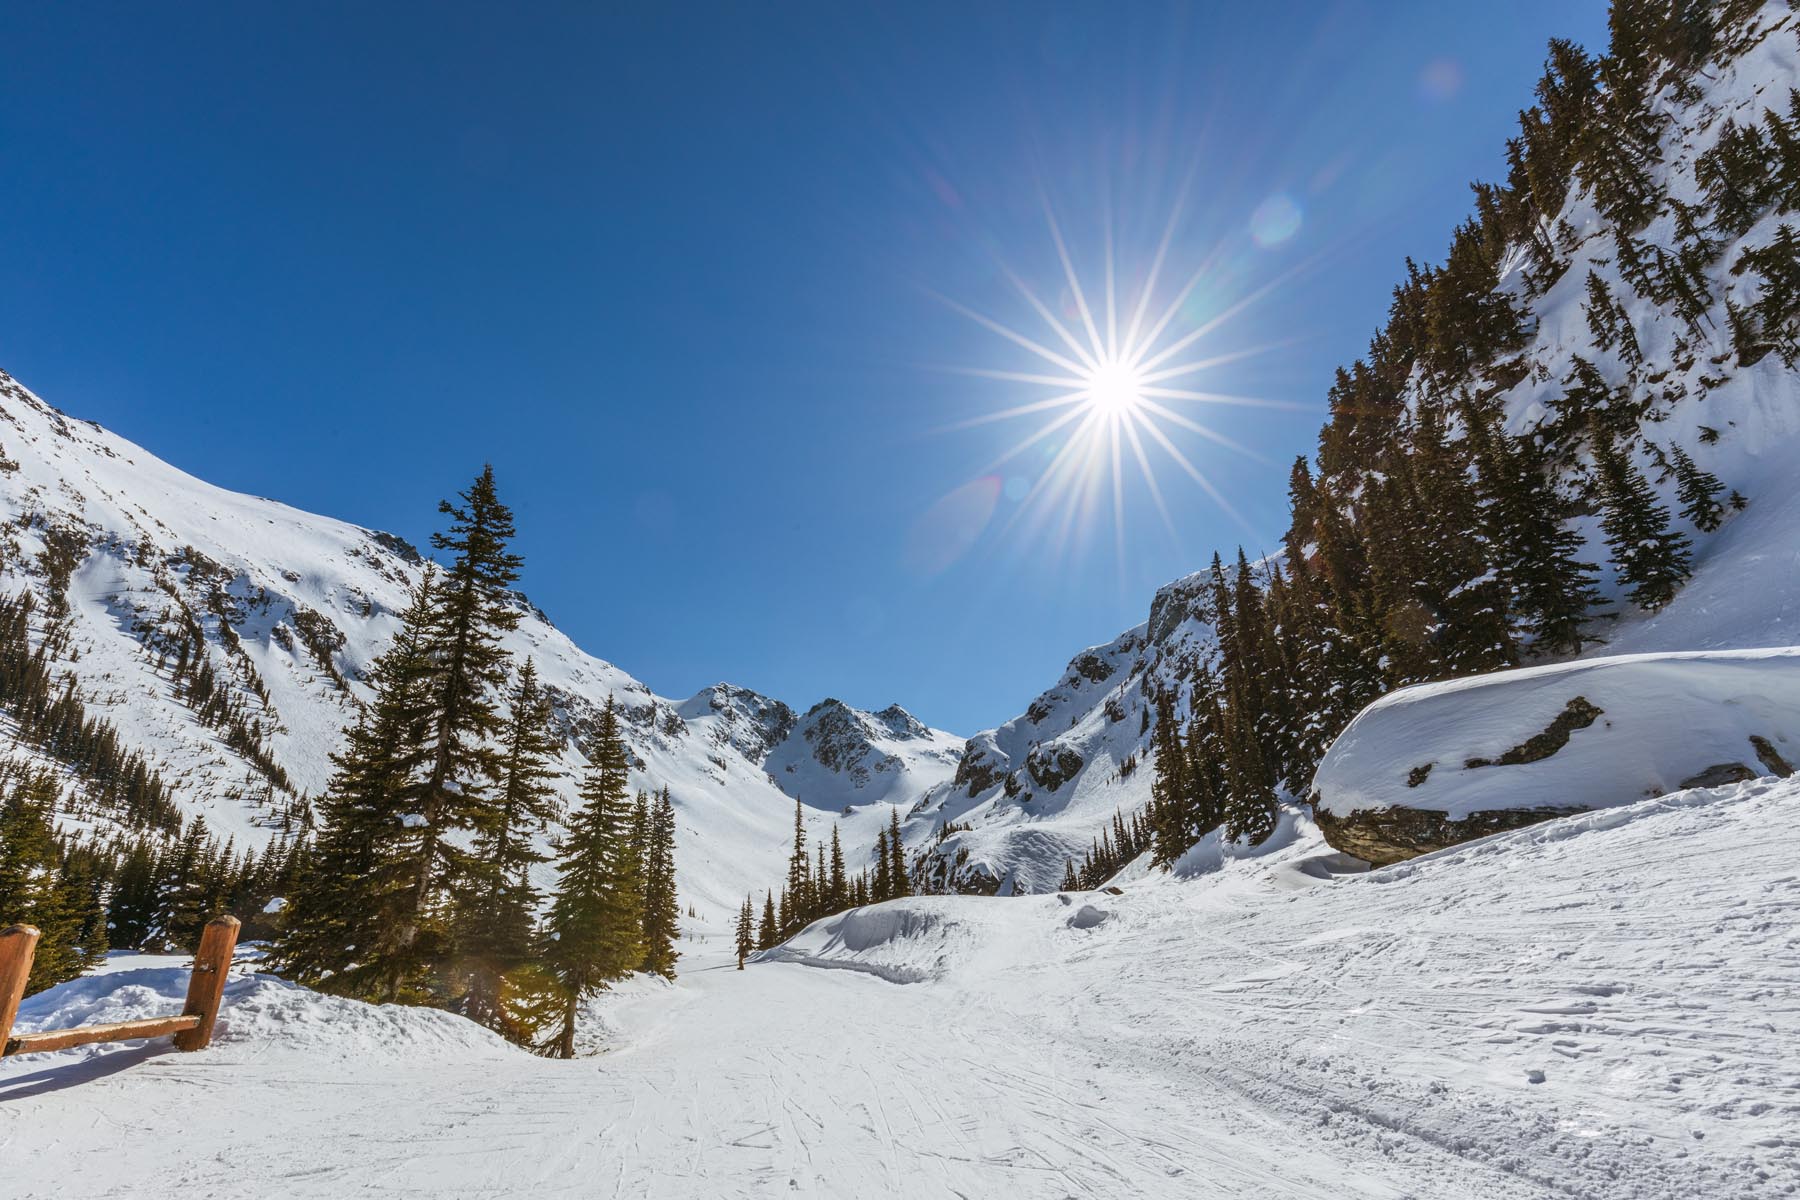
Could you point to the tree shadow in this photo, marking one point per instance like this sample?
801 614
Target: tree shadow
73 1074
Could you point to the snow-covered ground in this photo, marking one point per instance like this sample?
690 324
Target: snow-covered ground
1600 1006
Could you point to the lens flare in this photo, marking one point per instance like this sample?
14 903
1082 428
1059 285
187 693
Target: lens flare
1116 373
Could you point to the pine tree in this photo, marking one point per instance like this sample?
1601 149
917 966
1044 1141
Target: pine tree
40 886
594 930
881 887
799 867
1069 882
472 607
662 908
1699 491
496 913
339 931
1650 556
840 896
1170 791
746 933
1530 525
898 883
767 933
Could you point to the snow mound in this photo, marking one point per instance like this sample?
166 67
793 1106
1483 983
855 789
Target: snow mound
260 1011
903 941
1579 735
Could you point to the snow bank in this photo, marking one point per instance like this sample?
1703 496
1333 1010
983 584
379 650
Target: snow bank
1579 735
259 1010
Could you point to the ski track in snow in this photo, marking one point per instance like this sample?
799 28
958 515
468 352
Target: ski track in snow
1233 1035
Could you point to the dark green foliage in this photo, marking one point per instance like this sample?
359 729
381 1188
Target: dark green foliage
470 607
341 931
42 885
594 930
495 912
1698 491
48 713
662 910
746 933
1772 320
898 884
768 931
1650 556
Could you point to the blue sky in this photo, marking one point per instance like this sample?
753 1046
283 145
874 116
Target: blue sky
691 277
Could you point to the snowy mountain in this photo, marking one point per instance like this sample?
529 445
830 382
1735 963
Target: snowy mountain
1041 788
224 637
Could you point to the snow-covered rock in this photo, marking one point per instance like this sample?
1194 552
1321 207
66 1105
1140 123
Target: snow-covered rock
1426 767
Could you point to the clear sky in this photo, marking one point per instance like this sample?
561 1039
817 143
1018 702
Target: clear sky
697 280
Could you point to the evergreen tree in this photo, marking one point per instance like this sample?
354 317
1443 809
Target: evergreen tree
594 930
1650 556
881 886
471 608
1698 491
340 930
1530 525
662 909
767 935
840 894
496 913
746 933
898 883
39 886
799 866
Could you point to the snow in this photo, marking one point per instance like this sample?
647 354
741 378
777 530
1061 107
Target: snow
1664 718
159 539
1595 1006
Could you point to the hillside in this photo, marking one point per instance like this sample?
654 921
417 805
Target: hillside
224 636
1568 330
1587 1008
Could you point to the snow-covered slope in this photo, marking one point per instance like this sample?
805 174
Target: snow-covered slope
1596 1007
1040 788
288 608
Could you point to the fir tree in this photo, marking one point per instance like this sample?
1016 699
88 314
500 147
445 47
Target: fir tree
1698 491
1650 556
662 909
339 930
767 935
880 887
496 913
797 879
898 884
472 607
594 929
840 895
746 933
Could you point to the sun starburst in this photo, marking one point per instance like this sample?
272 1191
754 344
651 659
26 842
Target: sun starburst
1119 388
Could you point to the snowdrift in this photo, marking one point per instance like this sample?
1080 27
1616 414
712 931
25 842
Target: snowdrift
1432 765
260 1011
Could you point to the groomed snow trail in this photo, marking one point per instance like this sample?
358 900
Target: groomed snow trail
1605 1006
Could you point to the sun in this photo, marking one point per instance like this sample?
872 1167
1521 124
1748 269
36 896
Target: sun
1115 389
1118 371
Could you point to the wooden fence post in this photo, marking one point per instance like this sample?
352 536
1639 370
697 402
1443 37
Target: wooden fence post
17 944
207 984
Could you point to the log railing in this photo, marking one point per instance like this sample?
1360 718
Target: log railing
193 1029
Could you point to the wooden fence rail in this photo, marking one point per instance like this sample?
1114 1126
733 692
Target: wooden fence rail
193 1029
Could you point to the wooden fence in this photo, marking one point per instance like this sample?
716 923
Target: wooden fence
193 1029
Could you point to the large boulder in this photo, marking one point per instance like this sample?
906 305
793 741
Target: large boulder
1430 766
